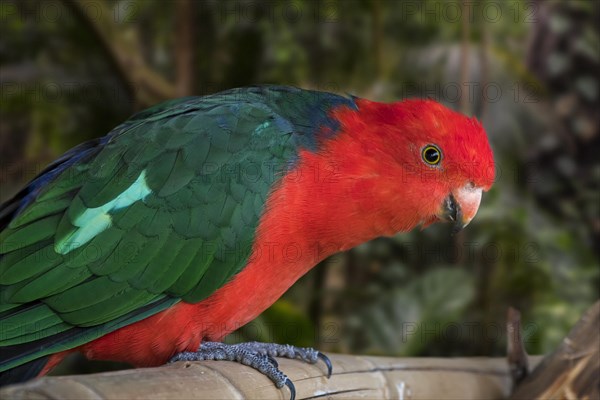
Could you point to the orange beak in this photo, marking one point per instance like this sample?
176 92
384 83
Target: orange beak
461 206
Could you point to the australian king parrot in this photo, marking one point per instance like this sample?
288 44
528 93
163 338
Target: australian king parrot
189 219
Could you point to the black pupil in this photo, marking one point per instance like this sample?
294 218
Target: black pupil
432 155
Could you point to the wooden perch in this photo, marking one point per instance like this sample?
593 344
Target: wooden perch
573 370
353 377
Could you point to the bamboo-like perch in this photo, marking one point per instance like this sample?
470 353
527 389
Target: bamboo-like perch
353 377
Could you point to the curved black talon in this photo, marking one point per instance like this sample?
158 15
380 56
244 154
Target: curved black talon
327 362
290 385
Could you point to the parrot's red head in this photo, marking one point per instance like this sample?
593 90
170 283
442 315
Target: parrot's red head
409 163
429 162
388 169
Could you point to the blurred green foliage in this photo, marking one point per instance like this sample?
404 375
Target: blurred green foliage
527 69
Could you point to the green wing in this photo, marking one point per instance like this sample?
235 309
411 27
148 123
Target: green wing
164 209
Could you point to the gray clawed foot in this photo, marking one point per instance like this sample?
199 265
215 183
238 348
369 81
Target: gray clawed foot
259 356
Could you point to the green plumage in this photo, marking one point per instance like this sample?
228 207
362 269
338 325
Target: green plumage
163 209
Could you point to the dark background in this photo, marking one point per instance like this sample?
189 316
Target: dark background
72 70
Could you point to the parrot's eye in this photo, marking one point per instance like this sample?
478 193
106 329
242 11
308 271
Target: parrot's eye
431 154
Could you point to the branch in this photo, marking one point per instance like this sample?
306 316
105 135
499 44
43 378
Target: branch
573 370
147 86
517 357
185 62
353 377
